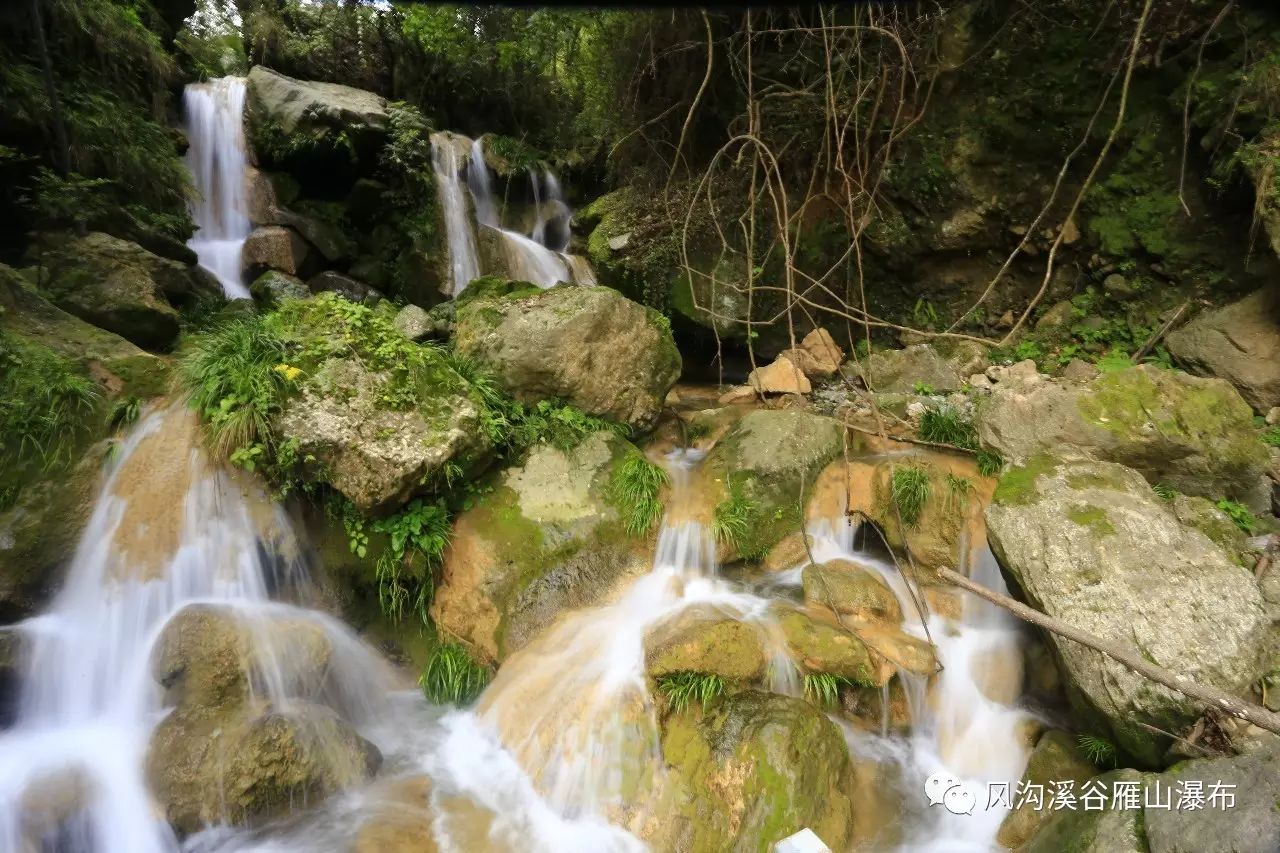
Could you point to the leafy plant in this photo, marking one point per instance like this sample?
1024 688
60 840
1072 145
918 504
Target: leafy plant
1271 437
732 521
1099 750
125 411
944 425
420 530
823 688
45 402
924 389
681 688
452 676
909 490
1164 491
989 462
634 488
1114 360
924 315
1239 514
558 424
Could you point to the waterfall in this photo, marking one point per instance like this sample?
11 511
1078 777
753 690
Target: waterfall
551 230
217 160
168 529
464 265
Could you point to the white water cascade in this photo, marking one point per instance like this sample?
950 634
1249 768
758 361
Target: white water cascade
168 530
464 264
217 160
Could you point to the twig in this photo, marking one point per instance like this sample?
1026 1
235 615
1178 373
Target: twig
1211 697
1146 348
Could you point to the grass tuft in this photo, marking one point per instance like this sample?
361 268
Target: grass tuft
732 521
944 425
989 462
452 677
909 490
45 402
823 688
1099 750
681 688
635 488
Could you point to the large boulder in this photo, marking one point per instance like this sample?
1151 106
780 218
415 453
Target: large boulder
590 346
1104 827
273 287
377 417
901 371
753 770
345 286
121 287
290 118
1091 544
1193 434
764 468
1056 759
542 537
224 754
702 639
1239 343
275 247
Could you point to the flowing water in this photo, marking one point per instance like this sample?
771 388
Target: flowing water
217 160
464 264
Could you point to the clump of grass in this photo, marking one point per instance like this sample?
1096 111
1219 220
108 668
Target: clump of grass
1164 491
958 491
45 402
1099 750
237 377
125 412
909 490
989 462
944 425
823 688
732 521
1239 514
452 676
1271 437
681 688
634 489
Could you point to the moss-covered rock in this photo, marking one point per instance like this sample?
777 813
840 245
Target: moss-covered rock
1104 829
754 769
273 287
701 639
765 467
589 346
1055 759
1194 434
542 537
822 645
1239 343
850 590
1090 543
902 371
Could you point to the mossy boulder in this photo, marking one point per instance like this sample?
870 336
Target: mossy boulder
1091 544
1203 515
273 287
764 468
1191 433
223 754
589 346
850 590
901 371
753 770
121 287
275 247
823 645
701 639
1239 343
1109 829
542 537
1055 759
378 417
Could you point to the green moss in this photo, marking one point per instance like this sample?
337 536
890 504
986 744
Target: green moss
1093 518
494 287
1017 486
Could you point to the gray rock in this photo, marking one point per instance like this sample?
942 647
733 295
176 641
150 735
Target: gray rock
414 323
1090 543
1239 343
1106 830
1193 434
273 287
901 371
343 285
329 240
1252 825
1079 371
320 113
589 346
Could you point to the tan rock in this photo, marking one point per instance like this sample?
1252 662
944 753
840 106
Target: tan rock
781 377
738 394
851 590
275 247
824 349
702 639
402 822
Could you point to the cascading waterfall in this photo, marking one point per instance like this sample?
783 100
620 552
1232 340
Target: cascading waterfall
464 264
168 530
217 160
551 225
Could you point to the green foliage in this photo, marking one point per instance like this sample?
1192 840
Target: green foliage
909 490
823 688
732 521
924 389
237 378
1099 750
45 405
1114 361
1239 514
452 677
125 411
681 688
1164 491
958 491
945 425
558 424
634 488
1271 437
924 315
1135 206
418 531
989 462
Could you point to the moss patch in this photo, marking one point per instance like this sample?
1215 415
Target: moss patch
1093 518
1017 487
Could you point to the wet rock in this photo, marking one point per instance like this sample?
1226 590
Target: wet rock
274 247
1239 343
1091 544
1193 434
402 822
12 652
280 110
412 322
542 538
273 287
782 376
902 371
589 346
1250 825
754 769
1101 830
1055 759
850 590
703 640
824 646
379 456
765 467
345 286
